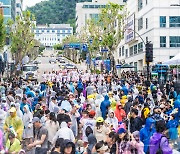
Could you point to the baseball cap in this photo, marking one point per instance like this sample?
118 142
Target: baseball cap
92 113
121 130
35 119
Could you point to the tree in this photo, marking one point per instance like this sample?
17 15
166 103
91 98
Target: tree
112 21
2 32
58 47
21 36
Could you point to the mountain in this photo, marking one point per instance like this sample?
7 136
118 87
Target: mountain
55 11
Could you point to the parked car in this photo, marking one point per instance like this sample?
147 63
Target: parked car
52 61
37 62
70 66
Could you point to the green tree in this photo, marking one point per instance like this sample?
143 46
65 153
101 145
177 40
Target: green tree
58 47
2 32
112 21
21 36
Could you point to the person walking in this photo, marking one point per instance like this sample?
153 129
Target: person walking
159 142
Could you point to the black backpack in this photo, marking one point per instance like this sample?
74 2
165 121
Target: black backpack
88 131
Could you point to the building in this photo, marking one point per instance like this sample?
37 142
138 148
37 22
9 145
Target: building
9 7
88 10
52 34
150 20
19 8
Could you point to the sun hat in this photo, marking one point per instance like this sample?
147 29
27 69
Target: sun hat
12 109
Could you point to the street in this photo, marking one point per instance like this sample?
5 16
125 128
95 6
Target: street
45 66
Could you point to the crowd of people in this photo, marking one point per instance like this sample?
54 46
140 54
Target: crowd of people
76 112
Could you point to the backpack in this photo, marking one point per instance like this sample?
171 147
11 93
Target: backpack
159 151
88 131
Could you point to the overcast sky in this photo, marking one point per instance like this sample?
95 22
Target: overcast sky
30 2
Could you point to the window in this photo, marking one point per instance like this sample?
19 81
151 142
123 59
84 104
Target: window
6 2
126 52
53 31
174 41
140 47
131 51
140 23
123 51
18 5
162 21
63 31
47 31
7 11
174 21
146 23
140 4
58 31
146 2
42 31
135 49
119 52
162 41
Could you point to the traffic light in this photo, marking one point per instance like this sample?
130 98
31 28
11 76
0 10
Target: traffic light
149 52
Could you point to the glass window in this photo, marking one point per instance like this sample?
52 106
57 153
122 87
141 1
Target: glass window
162 41
119 52
63 31
135 49
7 11
140 47
140 4
6 2
126 52
53 31
58 31
174 21
131 51
146 23
123 51
42 31
18 5
162 21
140 23
174 41
47 31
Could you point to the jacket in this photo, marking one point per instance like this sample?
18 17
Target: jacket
119 113
64 132
104 106
157 141
112 121
15 147
147 132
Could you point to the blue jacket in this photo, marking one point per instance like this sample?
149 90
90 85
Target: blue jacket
177 105
125 90
22 107
104 106
71 88
147 132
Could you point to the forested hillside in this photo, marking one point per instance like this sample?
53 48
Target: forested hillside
55 11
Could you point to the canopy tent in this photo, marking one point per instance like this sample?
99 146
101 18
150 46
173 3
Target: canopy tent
174 61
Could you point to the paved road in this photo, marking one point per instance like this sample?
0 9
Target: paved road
45 66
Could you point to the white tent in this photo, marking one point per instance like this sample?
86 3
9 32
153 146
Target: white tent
174 61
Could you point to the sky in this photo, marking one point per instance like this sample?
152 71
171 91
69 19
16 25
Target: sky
30 3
